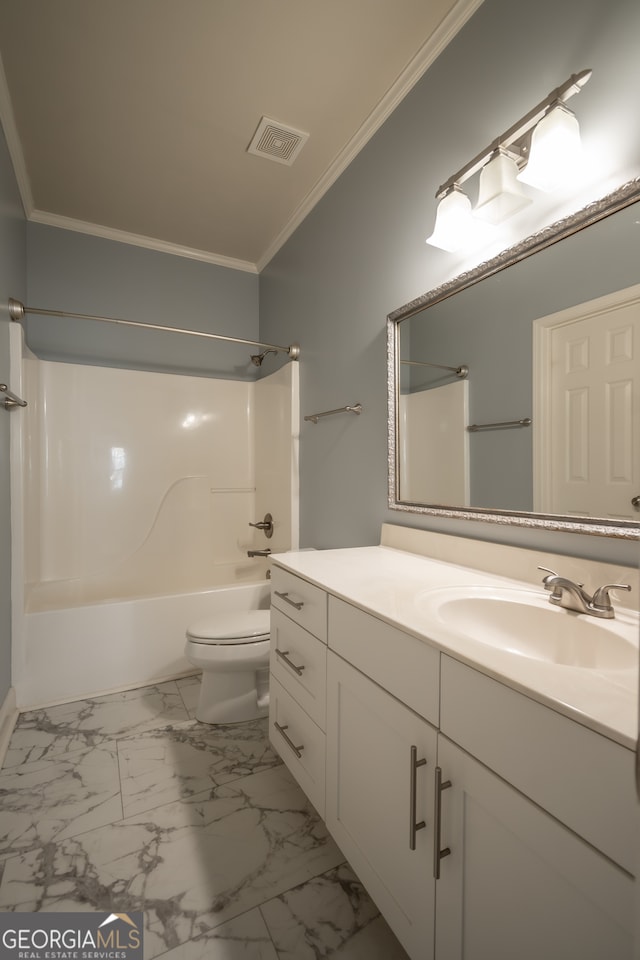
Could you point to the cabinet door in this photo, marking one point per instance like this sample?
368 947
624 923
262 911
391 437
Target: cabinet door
516 882
377 787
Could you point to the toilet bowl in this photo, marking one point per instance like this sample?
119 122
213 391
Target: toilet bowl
232 651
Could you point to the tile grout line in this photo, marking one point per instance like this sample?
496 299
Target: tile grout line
120 776
267 927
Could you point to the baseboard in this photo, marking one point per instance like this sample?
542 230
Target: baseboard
107 691
8 716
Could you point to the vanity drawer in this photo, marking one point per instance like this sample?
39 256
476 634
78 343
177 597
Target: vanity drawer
293 732
300 600
406 667
579 776
299 663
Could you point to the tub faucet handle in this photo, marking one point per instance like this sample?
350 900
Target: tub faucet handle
266 525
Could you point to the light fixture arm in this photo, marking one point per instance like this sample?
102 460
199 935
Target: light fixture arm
512 138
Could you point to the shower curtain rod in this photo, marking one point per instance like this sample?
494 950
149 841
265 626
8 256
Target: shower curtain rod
17 311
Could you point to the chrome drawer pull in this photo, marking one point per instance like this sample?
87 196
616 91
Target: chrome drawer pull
413 786
439 854
285 597
296 750
284 655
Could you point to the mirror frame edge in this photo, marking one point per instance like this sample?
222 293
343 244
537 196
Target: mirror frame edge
624 196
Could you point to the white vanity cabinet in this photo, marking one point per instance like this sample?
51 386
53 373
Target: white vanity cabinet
381 760
297 682
483 823
517 883
535 871
580 777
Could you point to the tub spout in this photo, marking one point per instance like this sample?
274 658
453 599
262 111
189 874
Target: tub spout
259 553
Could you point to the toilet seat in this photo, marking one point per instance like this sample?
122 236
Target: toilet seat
251 626
232 651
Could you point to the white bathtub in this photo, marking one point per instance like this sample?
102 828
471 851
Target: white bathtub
132 495
99 648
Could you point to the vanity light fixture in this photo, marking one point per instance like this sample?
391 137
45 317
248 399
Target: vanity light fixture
456 224
499 193
555 150
541 150
453 219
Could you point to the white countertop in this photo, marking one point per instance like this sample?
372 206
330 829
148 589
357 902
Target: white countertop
388 583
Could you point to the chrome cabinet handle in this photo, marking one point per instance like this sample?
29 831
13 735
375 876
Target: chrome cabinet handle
635 501
438 853
284 655
281 730
413 785
285 597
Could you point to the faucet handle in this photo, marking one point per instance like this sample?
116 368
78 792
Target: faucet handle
552 573
266 525
602 600
548 582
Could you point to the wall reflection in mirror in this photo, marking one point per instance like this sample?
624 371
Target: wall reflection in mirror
514 390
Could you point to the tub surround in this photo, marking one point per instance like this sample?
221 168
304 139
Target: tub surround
132 495
141 484
478 792
386 581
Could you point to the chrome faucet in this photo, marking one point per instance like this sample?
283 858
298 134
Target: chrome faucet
258 553
572 596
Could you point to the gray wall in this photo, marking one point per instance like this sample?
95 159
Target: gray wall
77 273
361 253
12 284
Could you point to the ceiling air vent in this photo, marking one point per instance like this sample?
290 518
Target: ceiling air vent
276 142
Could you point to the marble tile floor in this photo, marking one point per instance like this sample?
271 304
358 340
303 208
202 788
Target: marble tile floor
127 803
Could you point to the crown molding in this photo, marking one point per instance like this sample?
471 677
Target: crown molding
139 240
414 71
8 121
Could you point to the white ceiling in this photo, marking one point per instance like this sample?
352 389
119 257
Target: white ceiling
131 118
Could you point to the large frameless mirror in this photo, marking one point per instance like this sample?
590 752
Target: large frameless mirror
514 389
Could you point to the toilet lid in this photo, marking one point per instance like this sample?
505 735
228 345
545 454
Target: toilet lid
251 625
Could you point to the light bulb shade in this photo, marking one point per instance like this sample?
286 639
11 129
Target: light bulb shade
454 222
556 150
499 194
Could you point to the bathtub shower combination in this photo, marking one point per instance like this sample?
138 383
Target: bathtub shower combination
132 497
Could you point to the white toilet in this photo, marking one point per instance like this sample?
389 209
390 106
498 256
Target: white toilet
232 650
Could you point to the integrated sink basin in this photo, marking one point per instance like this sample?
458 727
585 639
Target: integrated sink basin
524 623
